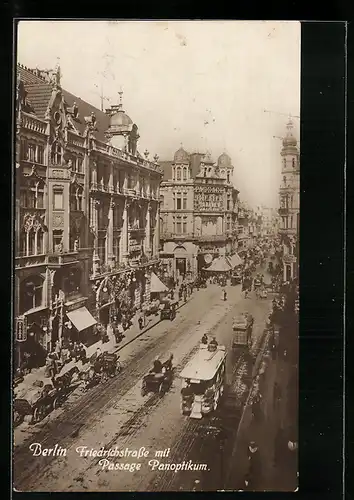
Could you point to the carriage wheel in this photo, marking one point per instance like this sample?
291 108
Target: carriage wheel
56 403
17 418
38 414
161 389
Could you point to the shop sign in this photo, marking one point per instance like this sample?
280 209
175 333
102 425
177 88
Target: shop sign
21 329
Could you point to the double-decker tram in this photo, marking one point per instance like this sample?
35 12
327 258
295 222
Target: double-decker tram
203 381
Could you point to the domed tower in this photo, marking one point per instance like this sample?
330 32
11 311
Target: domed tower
181 165
225 167
120 126
290 153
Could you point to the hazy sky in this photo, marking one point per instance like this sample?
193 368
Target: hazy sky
204 84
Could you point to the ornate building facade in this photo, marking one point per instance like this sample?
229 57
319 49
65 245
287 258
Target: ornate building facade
198 212
87 212
289 211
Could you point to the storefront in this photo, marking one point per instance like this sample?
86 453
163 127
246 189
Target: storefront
79 324
32 340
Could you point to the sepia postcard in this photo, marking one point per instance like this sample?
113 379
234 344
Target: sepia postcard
157 174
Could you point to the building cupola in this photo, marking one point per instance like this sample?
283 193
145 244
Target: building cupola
120 125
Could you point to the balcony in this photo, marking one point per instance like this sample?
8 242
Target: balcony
283 211
125 156
33 123
212 237
122 268
53 259
177 236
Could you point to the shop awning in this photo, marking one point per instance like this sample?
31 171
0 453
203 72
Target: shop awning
81 318
219 265
235 260
156 285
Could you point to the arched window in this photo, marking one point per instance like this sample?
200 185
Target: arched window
178 173
31 291
284 162
32 237
293 161
184 173
228 177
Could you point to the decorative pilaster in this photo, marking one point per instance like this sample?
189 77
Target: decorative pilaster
96 259
147 248
111 256
125 234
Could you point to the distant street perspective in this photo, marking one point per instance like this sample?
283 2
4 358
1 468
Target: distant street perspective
156 306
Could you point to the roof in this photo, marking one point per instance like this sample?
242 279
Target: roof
40 91
167 169
204 364
224 160
181 156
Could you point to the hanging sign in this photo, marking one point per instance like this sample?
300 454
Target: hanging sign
21 329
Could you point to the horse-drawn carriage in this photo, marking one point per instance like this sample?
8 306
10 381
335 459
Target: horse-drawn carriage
168 309
42 399
157 382
101 367
159 379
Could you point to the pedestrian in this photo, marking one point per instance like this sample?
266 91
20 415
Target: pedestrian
253 470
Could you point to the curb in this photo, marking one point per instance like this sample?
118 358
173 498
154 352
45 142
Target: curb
145 330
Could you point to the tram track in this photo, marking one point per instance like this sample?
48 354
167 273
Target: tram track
134 424
195 440
89 406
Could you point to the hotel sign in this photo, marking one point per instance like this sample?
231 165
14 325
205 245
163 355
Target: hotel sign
21 329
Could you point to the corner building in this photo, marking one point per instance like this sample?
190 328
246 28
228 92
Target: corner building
87 213
199 207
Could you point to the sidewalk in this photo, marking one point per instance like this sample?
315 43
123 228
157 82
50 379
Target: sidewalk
130 335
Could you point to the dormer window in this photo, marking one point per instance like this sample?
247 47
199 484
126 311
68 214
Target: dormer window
178 174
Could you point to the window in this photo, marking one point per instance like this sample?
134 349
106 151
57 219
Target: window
178 225
228 204
178 202
57 241
33 195
184 201
24 149
31 293
80 165
178 174
116 249
184 171
184 228
75 198
40 154
31 152
56 154
102 249
40 242
293 162
228 177
58 197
